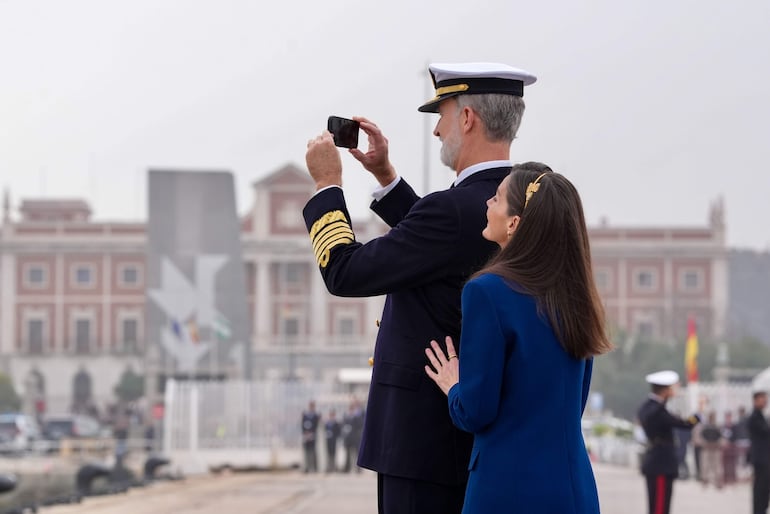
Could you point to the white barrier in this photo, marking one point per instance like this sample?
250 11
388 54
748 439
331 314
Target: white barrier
240 423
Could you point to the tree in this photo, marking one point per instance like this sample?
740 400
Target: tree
749 353
130 387
9 400
619 375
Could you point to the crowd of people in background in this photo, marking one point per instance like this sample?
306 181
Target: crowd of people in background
348 428
720 449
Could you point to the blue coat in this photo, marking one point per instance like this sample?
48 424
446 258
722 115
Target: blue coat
522 396
434 245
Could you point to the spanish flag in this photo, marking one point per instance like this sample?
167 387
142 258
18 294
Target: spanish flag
691 352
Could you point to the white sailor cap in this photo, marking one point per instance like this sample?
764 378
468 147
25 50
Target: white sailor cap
663 378
452 79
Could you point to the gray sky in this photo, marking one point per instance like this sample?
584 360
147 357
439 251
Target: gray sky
653 109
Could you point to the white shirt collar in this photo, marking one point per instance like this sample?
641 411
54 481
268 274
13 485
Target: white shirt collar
481 166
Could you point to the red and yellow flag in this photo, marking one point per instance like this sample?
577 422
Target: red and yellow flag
691 352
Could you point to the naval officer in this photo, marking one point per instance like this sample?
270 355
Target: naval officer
433 246
660 465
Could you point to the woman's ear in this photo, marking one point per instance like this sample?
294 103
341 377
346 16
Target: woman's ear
513 224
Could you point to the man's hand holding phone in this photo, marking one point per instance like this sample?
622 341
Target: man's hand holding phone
375 160
323 161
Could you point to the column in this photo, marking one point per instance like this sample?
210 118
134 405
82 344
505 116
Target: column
8 335
59 326
107 339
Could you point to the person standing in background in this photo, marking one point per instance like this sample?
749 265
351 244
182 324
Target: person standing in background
759 434
331 433
729 451
352 426
711 455
659 464
742 442
310 421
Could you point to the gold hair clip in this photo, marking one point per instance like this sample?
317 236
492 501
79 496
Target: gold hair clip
532 188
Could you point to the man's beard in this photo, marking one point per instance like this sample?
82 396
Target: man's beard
450 149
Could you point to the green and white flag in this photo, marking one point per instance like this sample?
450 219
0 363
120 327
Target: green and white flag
222 327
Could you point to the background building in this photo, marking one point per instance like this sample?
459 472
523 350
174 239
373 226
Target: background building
72 306
72 300
653 278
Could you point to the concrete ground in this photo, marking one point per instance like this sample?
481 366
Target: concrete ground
621 491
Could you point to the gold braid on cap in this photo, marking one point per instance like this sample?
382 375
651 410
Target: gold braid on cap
532 188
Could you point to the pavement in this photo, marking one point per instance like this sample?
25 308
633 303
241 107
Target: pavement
621 491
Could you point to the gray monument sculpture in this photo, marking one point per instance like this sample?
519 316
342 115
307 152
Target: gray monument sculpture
197 315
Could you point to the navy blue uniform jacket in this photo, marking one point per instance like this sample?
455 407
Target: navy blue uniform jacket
658 425
759 434
433 246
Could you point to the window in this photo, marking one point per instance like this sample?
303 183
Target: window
35 276
602 279
291 327
346 327
82 336
82 275
294 272
690 280
130 328
645 280
645 330
35 336
129 275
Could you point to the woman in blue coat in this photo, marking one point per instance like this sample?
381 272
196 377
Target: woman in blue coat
532 322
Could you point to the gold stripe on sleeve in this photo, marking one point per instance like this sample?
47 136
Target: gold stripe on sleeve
326 219
323 256
328 232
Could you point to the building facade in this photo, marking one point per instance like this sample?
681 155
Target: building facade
653 279
72 301
72 293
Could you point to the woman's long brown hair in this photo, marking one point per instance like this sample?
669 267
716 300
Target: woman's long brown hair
549 257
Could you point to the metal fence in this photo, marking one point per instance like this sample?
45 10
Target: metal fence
241 422
719 397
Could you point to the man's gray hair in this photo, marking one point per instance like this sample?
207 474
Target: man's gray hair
501 114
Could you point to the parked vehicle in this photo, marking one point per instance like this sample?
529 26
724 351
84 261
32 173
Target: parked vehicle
65 426
18 432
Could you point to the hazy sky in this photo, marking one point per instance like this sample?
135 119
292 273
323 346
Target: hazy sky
654 109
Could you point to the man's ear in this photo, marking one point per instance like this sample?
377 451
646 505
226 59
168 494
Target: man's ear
468 119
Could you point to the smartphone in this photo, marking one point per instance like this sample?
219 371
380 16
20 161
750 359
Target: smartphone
345 131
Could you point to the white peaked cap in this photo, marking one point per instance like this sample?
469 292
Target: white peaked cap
468 78
663 378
